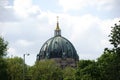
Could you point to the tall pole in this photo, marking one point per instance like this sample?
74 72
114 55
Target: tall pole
24 65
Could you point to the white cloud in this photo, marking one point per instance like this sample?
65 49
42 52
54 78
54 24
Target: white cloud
85 22
87 56
3 3
79 4
25 8
24 43
105 43
12 50
73 4
10 28
1 28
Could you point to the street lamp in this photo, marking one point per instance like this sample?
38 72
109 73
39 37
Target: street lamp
24 65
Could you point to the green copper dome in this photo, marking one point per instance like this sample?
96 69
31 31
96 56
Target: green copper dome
57 47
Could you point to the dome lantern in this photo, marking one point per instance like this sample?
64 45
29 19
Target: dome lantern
57 30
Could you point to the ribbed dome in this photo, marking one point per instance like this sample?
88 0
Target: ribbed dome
58 47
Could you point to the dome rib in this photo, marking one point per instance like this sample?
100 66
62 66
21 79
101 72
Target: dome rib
58 47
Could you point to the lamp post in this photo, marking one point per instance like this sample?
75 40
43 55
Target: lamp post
24 65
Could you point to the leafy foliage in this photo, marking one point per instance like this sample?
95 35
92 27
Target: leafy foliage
87 70
106 65
69 73
3 47
3 69
46 70
115 36
3 65
109 62
15 68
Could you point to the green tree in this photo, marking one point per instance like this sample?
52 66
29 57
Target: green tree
3 70
115 41
91 72
81 65
109 65
3 66
69 73
115 36
109 62
87 70
46 70
15 68
3 47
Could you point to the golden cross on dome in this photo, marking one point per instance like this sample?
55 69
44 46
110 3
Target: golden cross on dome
57 27
57 18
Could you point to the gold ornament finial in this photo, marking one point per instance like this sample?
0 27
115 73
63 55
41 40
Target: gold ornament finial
57 30
57 27
57 18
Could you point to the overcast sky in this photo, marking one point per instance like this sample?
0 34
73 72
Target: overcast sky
27 24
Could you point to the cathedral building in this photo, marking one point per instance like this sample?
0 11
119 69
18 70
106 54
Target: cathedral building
59 49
